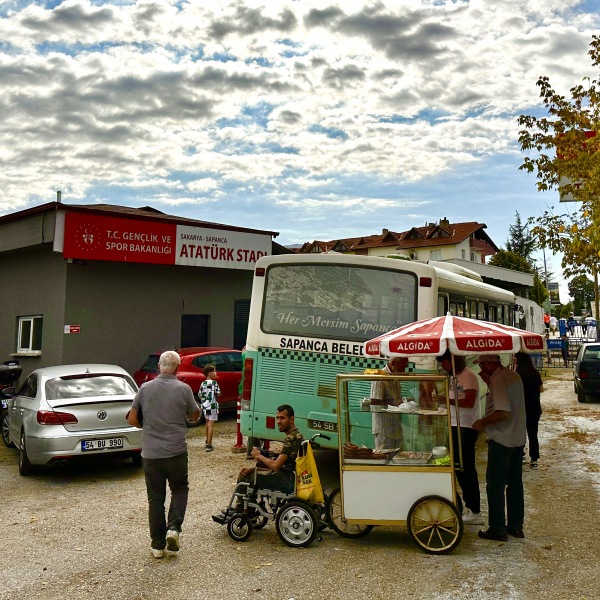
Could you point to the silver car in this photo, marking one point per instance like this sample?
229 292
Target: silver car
72 411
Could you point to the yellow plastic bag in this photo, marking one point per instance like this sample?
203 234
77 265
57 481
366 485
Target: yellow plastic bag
308 484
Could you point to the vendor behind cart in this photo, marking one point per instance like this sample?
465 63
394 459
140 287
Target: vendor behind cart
387 428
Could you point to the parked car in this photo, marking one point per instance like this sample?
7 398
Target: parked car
71 411
227 361
586 372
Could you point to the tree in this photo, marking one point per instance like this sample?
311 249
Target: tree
511 260
520 241
581 289
566 157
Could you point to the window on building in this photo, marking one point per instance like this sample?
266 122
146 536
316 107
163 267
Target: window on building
29 334
472 256
435 255
463 253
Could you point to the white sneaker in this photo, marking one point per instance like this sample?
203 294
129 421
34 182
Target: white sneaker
173 540
471 518
157 553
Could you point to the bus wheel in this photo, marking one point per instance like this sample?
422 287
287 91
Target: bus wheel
435 525
333 509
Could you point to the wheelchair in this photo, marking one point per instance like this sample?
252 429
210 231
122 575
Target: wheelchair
297 522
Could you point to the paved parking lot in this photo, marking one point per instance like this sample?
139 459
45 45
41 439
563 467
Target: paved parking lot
81 532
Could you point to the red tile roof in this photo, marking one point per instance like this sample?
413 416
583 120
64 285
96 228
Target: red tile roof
417 237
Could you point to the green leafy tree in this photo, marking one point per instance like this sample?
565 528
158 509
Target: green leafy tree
564 154
581 289
511 260
520 240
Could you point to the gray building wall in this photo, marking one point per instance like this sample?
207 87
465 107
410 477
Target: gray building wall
128 310
33 283
125 310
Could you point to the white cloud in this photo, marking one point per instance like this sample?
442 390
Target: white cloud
286 112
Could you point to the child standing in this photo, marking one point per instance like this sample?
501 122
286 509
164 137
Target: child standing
209 398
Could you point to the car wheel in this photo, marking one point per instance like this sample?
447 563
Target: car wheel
25 467
136 459
6 431
580 396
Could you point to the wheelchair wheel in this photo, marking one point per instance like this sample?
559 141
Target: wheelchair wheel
239 528
297 524
258 521
435 525
333 510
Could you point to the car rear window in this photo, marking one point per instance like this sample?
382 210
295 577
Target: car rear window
235 361
592 353
88 387
151 363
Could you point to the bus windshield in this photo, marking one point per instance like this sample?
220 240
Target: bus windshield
337 302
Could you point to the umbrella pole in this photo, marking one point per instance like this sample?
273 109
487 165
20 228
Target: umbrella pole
456 412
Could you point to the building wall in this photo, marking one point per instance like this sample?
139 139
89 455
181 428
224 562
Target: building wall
126 310
33 282
34 230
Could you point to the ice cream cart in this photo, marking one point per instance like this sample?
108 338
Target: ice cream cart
411 484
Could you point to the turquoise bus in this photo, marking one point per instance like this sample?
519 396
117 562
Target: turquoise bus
310 315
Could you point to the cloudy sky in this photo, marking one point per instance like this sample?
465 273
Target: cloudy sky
319 120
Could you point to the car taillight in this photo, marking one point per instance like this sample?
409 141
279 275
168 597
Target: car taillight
51 417
247 385
270 422
583 374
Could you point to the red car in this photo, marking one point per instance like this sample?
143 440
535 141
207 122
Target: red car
227 361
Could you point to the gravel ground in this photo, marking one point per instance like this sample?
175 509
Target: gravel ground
81 532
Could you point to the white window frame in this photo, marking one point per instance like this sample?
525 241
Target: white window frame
25 346
435 255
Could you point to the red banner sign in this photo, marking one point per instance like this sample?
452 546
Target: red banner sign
96 237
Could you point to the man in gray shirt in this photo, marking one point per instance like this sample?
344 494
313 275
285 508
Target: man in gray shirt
165 402
505 423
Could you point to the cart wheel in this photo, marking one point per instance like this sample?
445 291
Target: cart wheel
239 528
297 524
435 525
333 510
257 519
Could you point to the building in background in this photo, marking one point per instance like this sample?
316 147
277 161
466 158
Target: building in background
105 283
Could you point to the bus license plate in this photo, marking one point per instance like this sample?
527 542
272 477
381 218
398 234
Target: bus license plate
322 425
106 444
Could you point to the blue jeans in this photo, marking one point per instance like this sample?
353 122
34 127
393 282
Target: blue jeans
158 471
505 474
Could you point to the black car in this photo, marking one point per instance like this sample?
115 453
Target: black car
586 373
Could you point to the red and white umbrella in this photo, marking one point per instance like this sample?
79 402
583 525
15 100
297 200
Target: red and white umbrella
432 337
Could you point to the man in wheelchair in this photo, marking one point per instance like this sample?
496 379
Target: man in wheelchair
279 469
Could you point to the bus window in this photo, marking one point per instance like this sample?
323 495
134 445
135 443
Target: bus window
493 314
500 314
473 309
442 305
481 311
329 301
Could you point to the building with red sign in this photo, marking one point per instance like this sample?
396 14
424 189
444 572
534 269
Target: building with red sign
105 283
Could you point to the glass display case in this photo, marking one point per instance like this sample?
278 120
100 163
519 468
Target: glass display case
394 420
